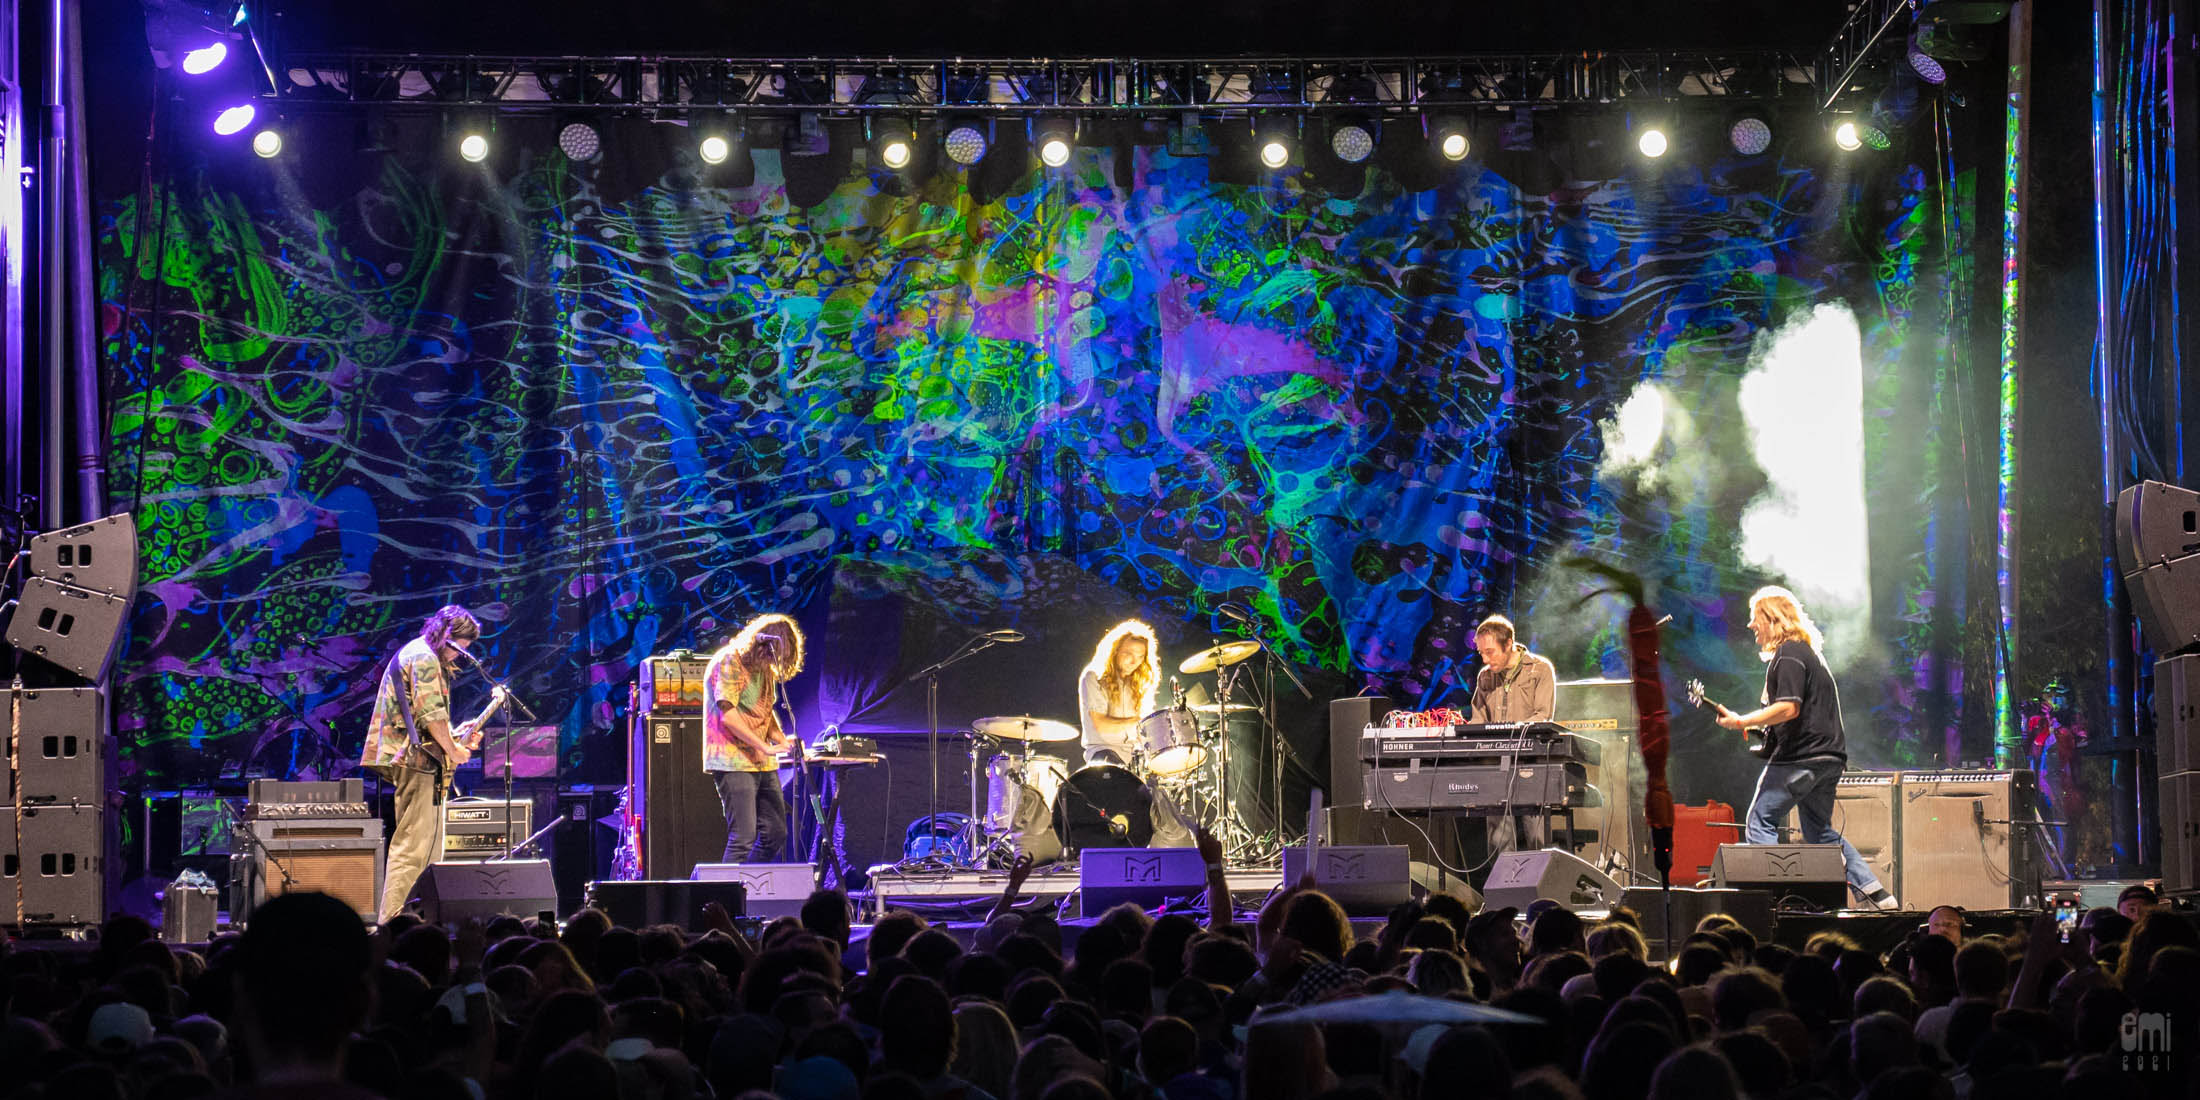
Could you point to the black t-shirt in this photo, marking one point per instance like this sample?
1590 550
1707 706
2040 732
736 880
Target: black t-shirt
1798 674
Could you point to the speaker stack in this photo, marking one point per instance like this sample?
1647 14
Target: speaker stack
2158 552
57 842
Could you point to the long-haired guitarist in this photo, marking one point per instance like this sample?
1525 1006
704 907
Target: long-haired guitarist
1805 748
412 744
742 738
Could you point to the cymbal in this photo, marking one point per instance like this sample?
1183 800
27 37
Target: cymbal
1208 660
1020 728
1224 708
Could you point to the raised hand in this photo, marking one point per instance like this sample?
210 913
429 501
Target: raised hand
1020 871
1210 847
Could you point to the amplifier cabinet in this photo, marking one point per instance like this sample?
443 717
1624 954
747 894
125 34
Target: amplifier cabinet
673 800
1956 846
341 857
1867 814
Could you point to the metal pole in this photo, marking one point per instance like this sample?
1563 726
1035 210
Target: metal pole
14 243
53 269
88 439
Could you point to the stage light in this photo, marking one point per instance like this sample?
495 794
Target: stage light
205 59
474 147
234 119
714 150
267 143
1449 137
1652 142
1750 135
1927 67
578 141
893 142
1846 136
1054 143
1353 141
1872 135
966 144
1275 152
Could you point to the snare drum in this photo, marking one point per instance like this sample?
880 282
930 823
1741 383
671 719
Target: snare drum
1172 742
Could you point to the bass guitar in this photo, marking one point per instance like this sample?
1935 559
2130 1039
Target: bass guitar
1760 738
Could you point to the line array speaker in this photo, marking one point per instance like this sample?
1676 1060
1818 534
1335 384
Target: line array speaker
2158 552
58 861
64 749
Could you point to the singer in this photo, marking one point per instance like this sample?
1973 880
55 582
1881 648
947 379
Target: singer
412 746
1806 749
742 738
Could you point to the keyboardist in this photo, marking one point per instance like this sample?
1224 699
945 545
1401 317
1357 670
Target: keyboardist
1514 685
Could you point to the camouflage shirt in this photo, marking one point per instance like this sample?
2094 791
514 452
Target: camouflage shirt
421 673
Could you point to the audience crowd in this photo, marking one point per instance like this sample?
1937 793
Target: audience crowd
307 1003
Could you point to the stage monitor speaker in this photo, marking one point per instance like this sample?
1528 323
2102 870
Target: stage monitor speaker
1867 814
1107 877
1365 879
63 754
1957 846
1348 718
772 889
1753 908
641 903
59 863
2180 818
1814 874
2177 714
672 797
72 627
2154 523
100 556
451 893
1519 878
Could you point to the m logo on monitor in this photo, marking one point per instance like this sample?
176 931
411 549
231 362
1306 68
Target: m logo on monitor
1340 866
1142 869
1783 864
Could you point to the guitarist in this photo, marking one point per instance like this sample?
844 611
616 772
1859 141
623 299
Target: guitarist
412 745
1805 748
742 738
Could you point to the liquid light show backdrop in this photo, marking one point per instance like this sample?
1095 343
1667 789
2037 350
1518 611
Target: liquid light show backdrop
347 389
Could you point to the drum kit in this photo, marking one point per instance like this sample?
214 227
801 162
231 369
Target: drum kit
1037 804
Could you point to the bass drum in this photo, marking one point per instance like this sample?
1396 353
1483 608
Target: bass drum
1103 806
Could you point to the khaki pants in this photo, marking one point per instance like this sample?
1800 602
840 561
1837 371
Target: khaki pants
417 839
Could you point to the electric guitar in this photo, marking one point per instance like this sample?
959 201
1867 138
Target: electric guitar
1760 738
468 734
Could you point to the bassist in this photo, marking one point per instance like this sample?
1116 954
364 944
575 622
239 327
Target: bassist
1805 748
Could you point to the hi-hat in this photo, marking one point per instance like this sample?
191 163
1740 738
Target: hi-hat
1019 728
1208 660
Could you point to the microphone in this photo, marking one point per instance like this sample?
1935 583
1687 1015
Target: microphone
1176 689
1234 611
1978 814
1004 635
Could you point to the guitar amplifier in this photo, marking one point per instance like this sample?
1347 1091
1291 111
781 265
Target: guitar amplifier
474 828
674 802
341 857
1867 808
1956 845
672 683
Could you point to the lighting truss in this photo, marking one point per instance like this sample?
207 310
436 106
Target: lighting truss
1857 48
1054 87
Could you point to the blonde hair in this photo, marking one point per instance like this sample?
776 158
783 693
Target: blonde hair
770 643
1142 682
449 621
1789 621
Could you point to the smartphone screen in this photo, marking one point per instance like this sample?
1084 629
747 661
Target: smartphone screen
2067 913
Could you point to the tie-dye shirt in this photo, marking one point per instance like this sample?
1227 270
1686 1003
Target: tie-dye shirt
752 700
420 672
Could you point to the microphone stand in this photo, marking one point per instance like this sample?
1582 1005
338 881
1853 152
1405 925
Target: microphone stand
521 706
1268 717
931 677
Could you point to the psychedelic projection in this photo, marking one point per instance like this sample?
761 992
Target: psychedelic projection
346 391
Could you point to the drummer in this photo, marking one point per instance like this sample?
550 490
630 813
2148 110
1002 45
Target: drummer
1118 688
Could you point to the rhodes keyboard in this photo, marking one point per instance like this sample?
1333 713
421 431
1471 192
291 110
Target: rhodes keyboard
1489 768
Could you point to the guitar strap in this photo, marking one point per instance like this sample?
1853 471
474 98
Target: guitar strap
401 689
